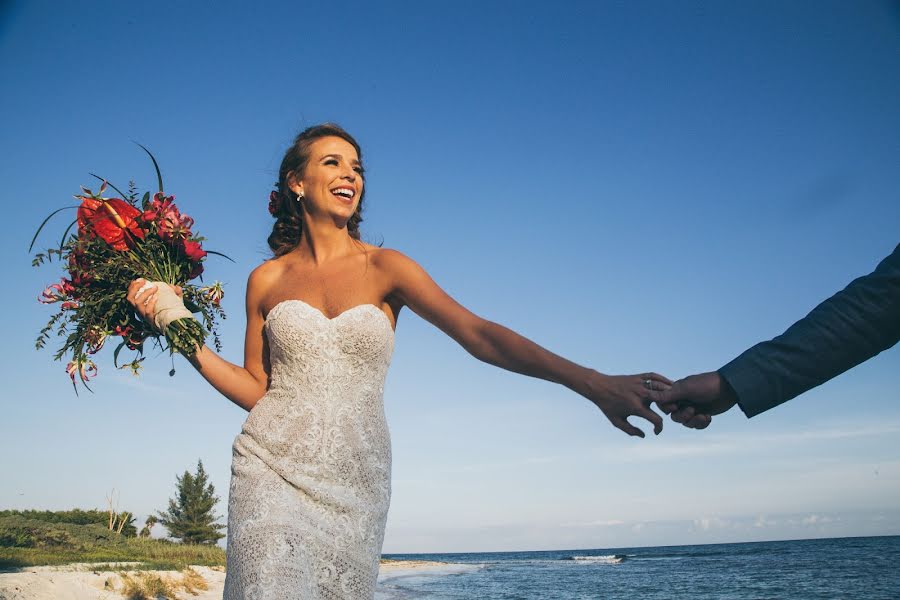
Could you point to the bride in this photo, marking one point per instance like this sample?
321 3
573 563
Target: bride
310 475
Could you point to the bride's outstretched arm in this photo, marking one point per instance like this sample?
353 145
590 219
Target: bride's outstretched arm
242 385
617 396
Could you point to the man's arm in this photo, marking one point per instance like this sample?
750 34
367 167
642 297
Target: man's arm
852 326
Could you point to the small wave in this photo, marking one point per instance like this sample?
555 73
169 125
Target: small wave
607 559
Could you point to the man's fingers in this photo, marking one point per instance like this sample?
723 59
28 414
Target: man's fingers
683 415
667 407
659 396
699 421
671 395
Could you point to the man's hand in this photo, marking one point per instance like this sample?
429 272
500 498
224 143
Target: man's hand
694 400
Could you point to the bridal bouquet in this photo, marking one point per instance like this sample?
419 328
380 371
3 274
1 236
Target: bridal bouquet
118 240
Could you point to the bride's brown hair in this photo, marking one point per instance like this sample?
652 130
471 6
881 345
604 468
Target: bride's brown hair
283 203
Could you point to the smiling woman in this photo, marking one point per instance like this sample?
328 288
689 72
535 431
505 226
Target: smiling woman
333 156
311 467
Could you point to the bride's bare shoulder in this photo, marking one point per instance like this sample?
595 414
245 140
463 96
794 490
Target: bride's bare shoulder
262 277
393 261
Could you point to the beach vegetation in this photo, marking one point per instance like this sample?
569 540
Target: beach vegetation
122 523
190 517
30 542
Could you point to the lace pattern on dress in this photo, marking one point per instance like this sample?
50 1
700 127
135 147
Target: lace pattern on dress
311 467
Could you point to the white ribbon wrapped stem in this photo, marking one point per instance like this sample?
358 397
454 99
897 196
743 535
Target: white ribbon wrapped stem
169 306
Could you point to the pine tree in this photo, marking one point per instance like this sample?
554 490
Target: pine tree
190 517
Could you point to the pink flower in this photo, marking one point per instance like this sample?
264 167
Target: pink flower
160 204
214 293
171 224
83 366
51 294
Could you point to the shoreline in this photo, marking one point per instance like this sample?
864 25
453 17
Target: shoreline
78 581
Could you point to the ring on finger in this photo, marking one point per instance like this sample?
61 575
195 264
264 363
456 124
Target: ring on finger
648 383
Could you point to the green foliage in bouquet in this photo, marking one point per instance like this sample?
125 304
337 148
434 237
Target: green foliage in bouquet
118 240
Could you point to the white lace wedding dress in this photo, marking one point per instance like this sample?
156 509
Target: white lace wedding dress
311 467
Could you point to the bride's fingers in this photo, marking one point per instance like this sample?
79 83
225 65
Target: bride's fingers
151 296
627 427
657 377
147 304
143 289
133 287
655 395
654 418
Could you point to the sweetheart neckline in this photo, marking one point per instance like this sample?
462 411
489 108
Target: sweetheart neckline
326 317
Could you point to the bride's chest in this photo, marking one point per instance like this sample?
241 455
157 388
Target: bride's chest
361 334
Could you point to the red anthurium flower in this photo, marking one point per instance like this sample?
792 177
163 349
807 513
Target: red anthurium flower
109 219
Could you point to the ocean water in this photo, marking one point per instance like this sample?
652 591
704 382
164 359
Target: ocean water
840 568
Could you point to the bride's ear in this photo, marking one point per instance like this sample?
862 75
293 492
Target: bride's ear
293 184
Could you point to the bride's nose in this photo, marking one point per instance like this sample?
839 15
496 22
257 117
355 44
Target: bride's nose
349 174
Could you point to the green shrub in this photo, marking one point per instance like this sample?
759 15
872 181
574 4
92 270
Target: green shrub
76 516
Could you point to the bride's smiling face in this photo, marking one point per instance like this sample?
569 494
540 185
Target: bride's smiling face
332 182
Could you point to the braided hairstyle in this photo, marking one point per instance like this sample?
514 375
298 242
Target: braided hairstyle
283 203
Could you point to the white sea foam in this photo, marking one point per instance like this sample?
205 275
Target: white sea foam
387 573
608 559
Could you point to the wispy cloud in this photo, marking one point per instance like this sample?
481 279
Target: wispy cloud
500 465
598 523
708 523
718 444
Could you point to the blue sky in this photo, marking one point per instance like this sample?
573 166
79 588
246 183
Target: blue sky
636 186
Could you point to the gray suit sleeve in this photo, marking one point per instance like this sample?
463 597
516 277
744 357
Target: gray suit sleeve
852 326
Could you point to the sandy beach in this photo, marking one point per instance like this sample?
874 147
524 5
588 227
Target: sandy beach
78 581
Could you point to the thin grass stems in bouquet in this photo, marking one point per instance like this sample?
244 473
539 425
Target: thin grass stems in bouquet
118 240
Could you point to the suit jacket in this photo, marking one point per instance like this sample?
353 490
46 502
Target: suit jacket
850 327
